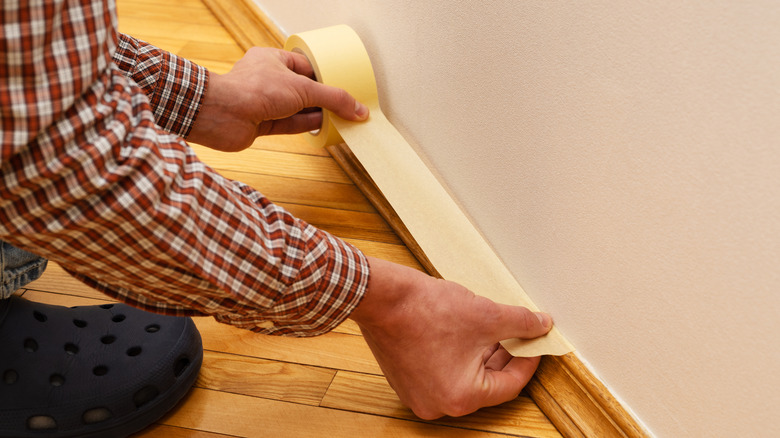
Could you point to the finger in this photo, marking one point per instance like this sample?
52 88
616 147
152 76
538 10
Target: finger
502 386
499 359
317 94
334 99
298 63
520 322
300 122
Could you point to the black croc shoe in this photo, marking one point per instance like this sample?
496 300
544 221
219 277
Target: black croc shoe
92 371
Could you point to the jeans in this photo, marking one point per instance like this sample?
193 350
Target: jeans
17 268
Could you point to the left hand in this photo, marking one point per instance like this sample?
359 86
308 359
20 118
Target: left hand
268 91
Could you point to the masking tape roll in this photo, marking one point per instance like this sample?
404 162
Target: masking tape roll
446 236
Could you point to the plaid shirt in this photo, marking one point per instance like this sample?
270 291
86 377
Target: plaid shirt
96 177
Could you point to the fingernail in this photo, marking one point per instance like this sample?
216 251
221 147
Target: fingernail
361 110
544 319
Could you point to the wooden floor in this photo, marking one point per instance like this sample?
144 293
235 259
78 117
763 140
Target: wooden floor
258 386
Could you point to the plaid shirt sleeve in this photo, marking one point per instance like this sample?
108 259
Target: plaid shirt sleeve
174 85
91 181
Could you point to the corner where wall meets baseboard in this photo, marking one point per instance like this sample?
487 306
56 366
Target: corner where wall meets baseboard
571 396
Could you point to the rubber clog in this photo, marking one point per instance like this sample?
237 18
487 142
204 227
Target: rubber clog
91 371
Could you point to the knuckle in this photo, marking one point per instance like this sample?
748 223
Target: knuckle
457 404
426 414
529 321
341 97
459 407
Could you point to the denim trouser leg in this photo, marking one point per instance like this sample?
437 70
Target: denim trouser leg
17 268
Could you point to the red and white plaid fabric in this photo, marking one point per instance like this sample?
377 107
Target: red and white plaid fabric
96 177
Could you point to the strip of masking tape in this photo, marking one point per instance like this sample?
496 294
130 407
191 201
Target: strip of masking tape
446 236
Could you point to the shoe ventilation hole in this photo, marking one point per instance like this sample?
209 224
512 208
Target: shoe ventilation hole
145 395
108 339
100 370
41 422
96 415
80 323
57 380
152 328
10 377
134 351
181 365
71 349
106 306
40 316
118 318
30 345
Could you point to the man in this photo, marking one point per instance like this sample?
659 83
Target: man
97 177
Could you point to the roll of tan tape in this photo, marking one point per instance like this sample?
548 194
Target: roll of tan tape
449 240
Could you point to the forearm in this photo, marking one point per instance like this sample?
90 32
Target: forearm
130 210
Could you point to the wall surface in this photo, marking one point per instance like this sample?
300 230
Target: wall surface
623 158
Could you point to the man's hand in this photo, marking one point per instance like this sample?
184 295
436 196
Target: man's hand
437 342
268 91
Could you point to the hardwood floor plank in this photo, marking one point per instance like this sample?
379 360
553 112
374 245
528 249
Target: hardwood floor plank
274 163
372 394
264 378
394 253
331 350
348 327
289 143
345 224
56 280
256 417
150 31
192 13
305 192
162 430
184 4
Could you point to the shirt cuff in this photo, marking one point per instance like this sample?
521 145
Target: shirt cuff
329 286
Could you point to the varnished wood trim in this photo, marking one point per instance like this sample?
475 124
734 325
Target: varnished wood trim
564 388
246 23
352 167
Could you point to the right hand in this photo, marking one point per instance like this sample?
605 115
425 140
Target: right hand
437 342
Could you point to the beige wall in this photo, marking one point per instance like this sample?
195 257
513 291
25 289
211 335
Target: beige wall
624 161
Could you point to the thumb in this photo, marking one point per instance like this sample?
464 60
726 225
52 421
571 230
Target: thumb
336 100
521 322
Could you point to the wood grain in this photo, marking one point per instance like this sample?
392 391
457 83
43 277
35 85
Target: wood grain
283 381
269 162
315 193
249 26
259 417
370 393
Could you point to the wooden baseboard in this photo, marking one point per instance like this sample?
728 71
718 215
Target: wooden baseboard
247 24
576 402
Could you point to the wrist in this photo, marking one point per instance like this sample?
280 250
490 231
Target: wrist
389 291
217 125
